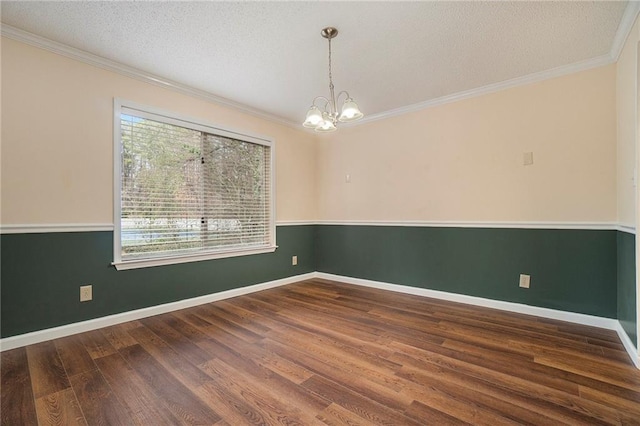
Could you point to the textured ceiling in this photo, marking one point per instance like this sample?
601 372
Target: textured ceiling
270 55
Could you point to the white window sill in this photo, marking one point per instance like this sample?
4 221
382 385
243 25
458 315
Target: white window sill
148 263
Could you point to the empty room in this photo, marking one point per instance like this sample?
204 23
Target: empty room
319 213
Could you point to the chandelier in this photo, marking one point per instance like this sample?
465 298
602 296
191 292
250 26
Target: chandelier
325 119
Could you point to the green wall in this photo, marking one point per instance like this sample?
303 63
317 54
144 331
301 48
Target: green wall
571 270
627 284
42 274
585 271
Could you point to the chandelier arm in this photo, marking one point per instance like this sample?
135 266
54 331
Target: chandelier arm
345 92
326 102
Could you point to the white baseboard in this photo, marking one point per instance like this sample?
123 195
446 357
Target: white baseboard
93 324
628 345
573 317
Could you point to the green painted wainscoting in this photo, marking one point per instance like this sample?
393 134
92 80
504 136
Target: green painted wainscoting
627 284
42 274
571 270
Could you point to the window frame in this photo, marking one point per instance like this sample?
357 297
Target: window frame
195 124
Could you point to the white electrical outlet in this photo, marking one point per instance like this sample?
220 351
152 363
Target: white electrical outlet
294 260
527 158
86 293
525 280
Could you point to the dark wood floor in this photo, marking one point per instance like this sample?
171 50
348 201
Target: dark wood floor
320 352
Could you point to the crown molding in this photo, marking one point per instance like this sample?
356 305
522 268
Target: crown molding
626 24
492 88
624 29
109 65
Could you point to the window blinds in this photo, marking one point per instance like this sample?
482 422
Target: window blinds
185 190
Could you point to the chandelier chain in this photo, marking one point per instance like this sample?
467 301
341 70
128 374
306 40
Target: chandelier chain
330 76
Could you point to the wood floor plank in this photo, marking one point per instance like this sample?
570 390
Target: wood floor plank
231 407
466 403
384 393
17 405
276 407
382 387
224 346
97 344
60 409
335 415
358 404
118 337
541 408
285 368
326 353
466 323
208 314
189 317
242 358
134 393
367 340
595 411
307 337
549 371
45 367
177 397
99 405
429 415
243 321
74 355
232 352
170 359
185 328
524 371
550 351
606 373
254 305
175 339
631 406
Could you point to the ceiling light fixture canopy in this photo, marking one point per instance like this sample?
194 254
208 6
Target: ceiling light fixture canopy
326 119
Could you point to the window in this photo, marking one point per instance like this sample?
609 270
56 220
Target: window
188 191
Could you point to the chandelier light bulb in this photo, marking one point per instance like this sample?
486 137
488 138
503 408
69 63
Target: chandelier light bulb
314 117
350 111
326 125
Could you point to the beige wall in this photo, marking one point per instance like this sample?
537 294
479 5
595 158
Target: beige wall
57 156
463 161
456 162
627 127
